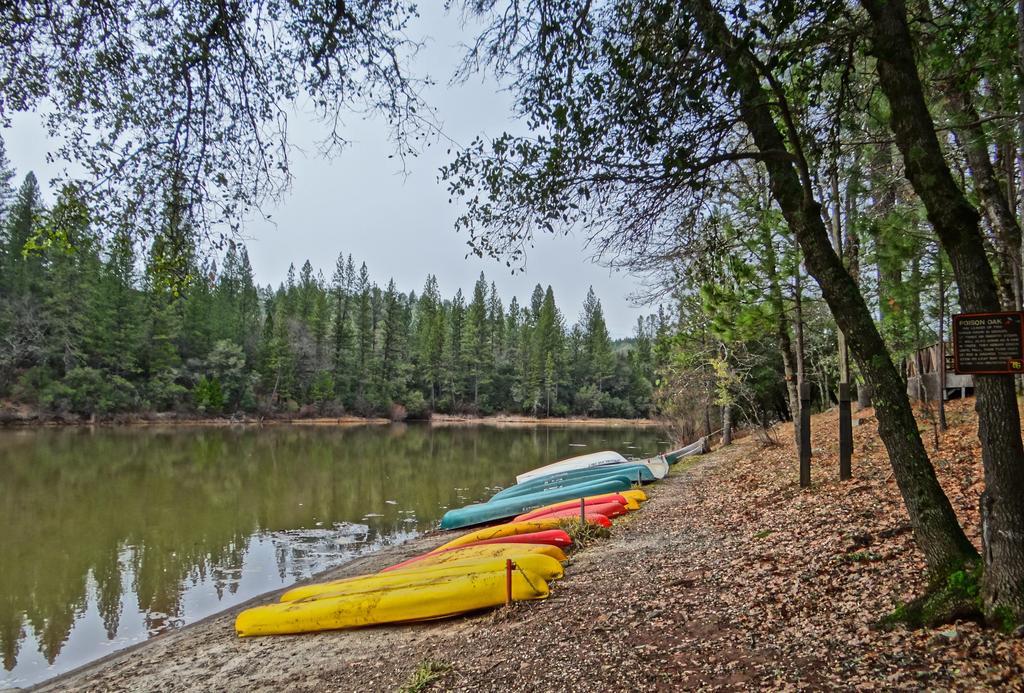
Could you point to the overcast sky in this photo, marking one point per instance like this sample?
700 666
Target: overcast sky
401 225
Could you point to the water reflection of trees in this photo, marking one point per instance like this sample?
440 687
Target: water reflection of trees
157 511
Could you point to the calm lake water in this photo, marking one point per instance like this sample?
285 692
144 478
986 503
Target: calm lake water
111 536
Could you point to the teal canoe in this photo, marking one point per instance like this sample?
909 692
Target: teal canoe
633 472
510 507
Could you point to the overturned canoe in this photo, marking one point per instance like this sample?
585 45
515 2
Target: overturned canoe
551 537
501 509
609 510
446 596
545 566
592 504
644 471
459 553
504 530
698 447
599 519
593 459
635 494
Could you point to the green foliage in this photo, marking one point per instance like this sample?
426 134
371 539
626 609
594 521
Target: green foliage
426 673
31 383
208 395
188 333
416 405
323 387
957 595
87 391
162 393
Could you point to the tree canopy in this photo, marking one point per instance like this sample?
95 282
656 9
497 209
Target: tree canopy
189 101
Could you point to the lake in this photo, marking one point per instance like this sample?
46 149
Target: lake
113 535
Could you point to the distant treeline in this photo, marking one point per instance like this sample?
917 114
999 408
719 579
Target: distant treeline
89 326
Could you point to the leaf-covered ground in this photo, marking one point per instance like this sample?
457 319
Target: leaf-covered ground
731 578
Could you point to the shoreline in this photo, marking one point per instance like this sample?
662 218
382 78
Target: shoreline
437 420
729 577
365 563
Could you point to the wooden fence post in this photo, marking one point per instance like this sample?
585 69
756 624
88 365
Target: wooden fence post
805 435
845 433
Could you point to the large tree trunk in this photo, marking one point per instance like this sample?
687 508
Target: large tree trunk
936 529
993 197
956 223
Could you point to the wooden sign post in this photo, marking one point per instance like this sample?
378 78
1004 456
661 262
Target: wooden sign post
988 343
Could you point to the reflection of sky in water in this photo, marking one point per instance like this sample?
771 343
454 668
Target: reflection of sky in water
114 535
271 561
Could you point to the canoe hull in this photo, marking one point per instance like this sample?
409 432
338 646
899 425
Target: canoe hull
608 509
575 504
594 459
445 597
633 471
481 551
504 530
505 508
698 447
545 566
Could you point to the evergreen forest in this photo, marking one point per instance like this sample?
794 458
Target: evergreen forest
97 325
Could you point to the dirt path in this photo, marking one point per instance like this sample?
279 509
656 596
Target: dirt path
729 578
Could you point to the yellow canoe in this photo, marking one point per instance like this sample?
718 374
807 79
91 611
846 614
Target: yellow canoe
506 530
447 596
634 495
502 551
544 566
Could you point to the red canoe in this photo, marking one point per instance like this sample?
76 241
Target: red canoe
593 517
552 537
608 510
570 504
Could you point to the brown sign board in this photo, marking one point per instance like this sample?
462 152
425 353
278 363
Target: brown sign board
988 343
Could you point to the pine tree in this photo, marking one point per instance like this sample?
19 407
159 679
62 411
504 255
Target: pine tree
118 307
430 339
248 309
477 354
393 339
305 293
364 331
547 353
453 376
22 273
71 251
597 347
279 357
341 289
7 174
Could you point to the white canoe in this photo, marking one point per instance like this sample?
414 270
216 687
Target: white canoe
593 459
699 447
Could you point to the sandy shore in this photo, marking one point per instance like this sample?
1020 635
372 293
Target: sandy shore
730 578
529 422
25 420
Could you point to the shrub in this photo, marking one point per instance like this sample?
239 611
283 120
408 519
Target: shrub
209 397
416 405
88 391
162 393
31 383
322 391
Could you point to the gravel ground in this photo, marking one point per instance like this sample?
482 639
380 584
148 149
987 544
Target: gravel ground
730 578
